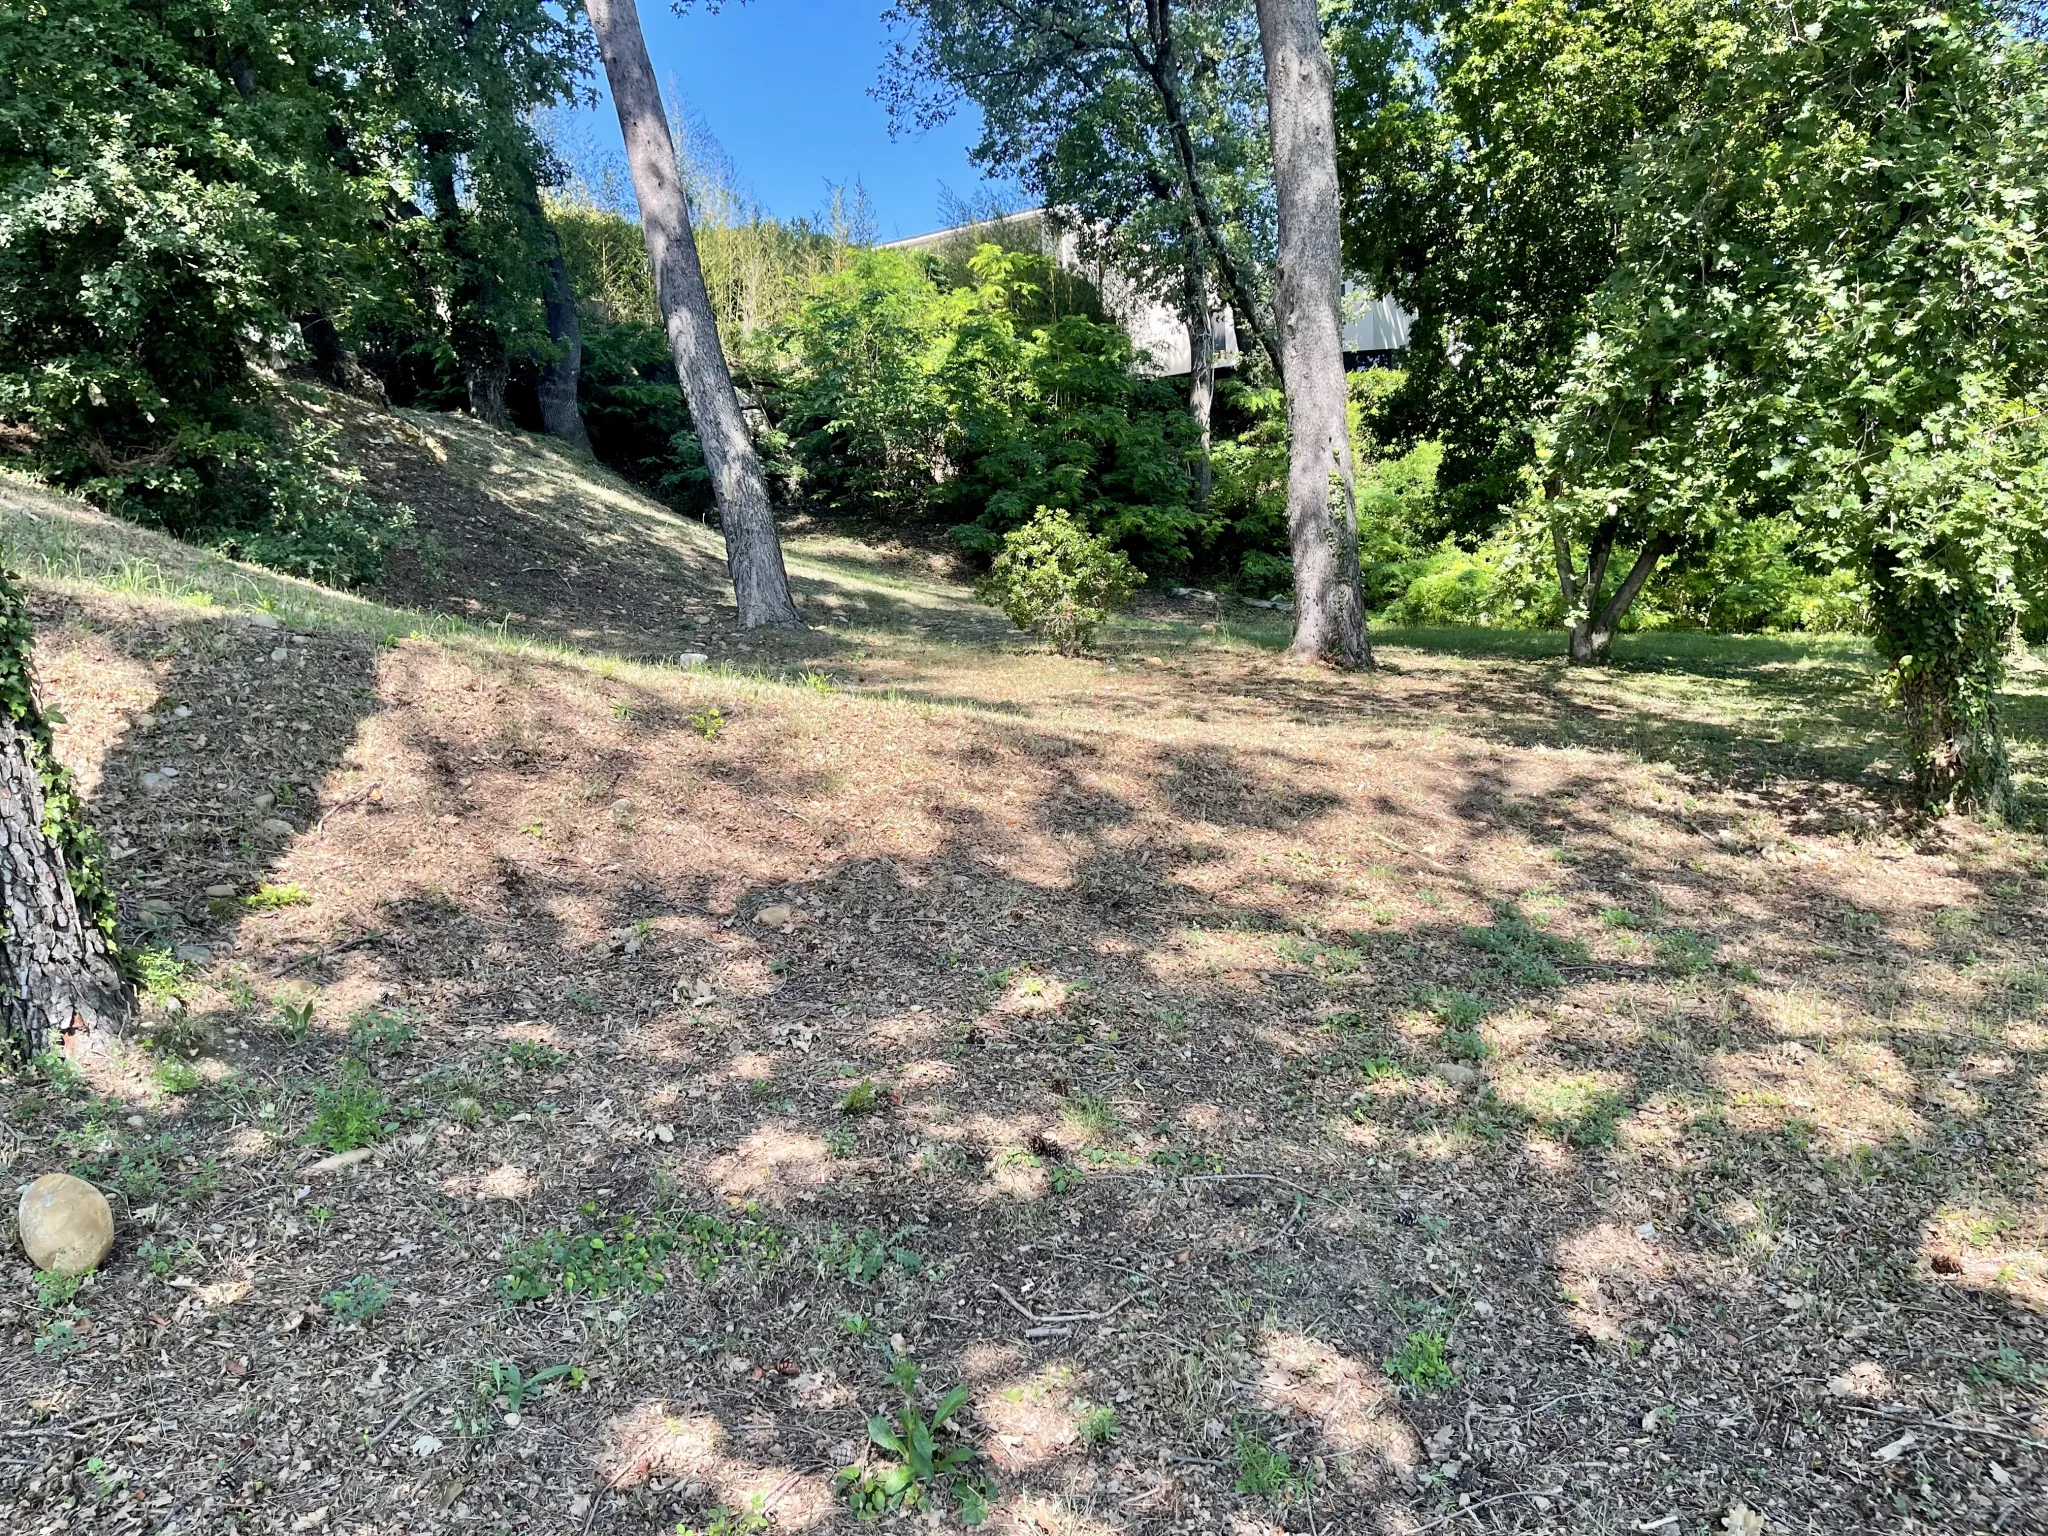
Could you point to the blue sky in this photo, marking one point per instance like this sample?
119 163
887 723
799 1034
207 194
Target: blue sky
782 85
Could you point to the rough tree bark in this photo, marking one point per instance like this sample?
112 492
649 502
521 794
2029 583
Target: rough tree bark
1594 624
59 986
1322 507
753 554
560 413
1202 400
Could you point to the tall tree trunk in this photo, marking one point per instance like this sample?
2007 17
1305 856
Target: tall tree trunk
331 357
1201 358
57 977
752 552
560 413
1322 506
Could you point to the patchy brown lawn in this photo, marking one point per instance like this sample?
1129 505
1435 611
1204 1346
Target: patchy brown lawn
1464 1097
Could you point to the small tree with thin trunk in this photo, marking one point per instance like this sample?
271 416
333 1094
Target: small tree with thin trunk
752 552
57 972
1322 507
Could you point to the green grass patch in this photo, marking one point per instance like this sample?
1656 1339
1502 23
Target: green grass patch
633 1253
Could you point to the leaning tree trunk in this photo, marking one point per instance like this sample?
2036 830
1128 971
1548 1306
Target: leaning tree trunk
58 981
752 552
1594 624
1322 508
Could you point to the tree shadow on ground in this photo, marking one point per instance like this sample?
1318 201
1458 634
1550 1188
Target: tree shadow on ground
1098 1070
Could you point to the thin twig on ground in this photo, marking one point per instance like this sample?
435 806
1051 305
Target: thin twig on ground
1944 1423
1479 1504
73 1427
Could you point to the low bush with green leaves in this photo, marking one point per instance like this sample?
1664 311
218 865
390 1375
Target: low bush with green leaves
1058 581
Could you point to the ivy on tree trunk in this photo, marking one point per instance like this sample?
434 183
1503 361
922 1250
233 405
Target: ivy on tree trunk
58 971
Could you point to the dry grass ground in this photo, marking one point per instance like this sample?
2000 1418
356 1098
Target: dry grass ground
1466 1097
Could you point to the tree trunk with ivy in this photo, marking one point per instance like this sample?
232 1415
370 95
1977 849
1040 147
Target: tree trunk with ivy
59 984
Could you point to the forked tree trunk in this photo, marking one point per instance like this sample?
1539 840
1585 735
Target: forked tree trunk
752 552
1322 507
1594 623
58 982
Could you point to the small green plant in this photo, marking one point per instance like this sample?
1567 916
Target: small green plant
351 1113
1454 1009
1097 1424
55 1292
841 1143
274 898
359 1301
159 972
727 1521
633 1254
163 1259
1619 917
58 1074
504 1381
1057 581
923 1467
295 1019
707 720
57 1337
1683 952
379 1032
1264 1468
1420 1364
1522 952
624 709
175 1075
1090 1116
861 1099
863 1255
532 1056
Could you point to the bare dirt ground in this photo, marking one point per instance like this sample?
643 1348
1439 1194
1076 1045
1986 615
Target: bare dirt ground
1464 1097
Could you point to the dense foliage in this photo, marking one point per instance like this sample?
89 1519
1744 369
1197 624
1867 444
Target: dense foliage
903 396
1144 128
1829 302
189 188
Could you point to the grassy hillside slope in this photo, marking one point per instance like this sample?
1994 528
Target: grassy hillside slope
1282 1100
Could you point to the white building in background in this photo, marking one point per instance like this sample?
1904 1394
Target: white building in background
1374 328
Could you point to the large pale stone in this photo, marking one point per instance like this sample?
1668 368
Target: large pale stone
66 1225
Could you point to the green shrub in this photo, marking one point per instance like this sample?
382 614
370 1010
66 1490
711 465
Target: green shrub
1057 581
